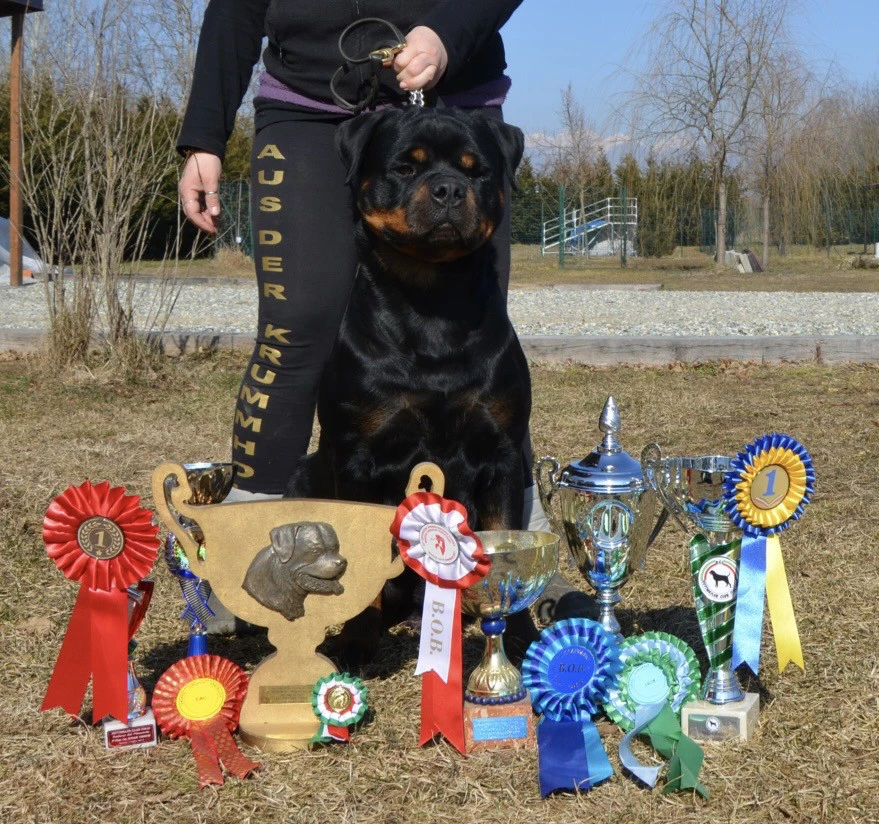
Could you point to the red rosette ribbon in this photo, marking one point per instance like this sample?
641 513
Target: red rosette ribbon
102 537
437 543
200 698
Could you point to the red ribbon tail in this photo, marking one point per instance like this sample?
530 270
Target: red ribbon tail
339 733
73 668
235 761
442 707
109 631
205 754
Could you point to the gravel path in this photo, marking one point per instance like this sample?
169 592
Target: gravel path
550 311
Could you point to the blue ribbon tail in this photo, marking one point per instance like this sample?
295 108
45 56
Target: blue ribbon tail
644 715
750 598
570 756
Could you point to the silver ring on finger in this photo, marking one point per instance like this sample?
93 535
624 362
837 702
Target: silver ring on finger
211 193
191 200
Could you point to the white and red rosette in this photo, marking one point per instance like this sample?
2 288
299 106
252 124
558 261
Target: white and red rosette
102 537
435 541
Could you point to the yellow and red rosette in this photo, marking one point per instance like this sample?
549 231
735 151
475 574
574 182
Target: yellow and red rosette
437 543
200 698
767 489
102 537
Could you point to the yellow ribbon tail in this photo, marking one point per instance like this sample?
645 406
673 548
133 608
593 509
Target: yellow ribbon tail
781 608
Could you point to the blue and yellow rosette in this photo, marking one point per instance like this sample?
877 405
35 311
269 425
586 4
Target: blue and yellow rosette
339 702
569 672
659 675
771 482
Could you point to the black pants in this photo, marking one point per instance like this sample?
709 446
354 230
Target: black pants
303 217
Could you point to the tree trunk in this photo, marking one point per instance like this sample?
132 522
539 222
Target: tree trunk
765 261
721 221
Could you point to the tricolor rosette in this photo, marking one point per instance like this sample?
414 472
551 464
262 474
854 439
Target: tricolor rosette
569 673
767 489
339 701
200 698
102 537
657 668
435 541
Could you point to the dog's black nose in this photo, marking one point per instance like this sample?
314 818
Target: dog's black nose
447 191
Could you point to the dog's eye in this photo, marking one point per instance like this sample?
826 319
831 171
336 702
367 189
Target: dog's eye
403 170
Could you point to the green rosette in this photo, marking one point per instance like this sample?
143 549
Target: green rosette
657 667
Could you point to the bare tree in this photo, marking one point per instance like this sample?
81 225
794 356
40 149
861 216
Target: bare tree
569 155
705 59
784 98
98 149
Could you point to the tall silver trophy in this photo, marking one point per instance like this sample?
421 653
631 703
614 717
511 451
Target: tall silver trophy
691 489
605 509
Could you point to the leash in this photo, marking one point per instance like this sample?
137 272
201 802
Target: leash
380 57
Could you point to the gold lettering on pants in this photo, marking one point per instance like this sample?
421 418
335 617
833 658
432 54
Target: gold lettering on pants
269 353
249 422
268 377
272 264
277 333
271 150
249 447
270 204
242 470
269 237
277 177
254 396
273 290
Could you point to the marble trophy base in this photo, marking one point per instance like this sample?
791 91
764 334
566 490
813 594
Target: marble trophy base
135 735
733 721
499 726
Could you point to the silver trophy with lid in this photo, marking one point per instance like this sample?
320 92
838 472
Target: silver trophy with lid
605 510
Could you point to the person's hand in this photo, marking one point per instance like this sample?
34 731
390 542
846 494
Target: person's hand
199 189
422 63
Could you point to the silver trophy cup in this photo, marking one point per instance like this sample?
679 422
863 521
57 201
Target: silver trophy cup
691 489
606 513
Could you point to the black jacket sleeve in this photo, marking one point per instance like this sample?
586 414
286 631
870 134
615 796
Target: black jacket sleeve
228 49
465 26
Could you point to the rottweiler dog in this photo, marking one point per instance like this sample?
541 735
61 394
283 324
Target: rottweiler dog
427 366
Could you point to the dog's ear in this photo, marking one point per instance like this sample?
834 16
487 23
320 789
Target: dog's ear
352 138
284 541
511 142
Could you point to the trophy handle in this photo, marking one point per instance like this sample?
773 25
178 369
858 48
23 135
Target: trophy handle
179 494
651 461
547 474
434 475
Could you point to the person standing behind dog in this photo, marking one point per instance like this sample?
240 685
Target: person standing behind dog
302 209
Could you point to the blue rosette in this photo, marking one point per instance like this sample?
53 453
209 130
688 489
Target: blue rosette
569 673
769 485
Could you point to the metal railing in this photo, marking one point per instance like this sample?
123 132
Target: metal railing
596 230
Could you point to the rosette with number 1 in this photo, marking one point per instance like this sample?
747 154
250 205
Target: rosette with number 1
770 484
437 543
102 537
569 672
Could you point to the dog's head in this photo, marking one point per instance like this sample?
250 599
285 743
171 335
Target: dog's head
430 182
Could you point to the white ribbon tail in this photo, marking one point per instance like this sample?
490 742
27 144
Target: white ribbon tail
437 620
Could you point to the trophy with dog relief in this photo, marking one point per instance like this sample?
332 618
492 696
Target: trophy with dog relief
606 513
295 566
691 490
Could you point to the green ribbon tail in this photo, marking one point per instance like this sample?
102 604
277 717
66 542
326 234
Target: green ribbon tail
684 755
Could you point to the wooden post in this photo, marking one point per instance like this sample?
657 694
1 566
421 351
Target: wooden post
16 212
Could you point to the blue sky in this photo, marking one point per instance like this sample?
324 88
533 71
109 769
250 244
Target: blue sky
552 42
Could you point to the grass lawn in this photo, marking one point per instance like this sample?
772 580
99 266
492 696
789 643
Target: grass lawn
814 754
801 271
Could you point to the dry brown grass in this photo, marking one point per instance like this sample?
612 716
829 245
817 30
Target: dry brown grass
801 271
813 757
